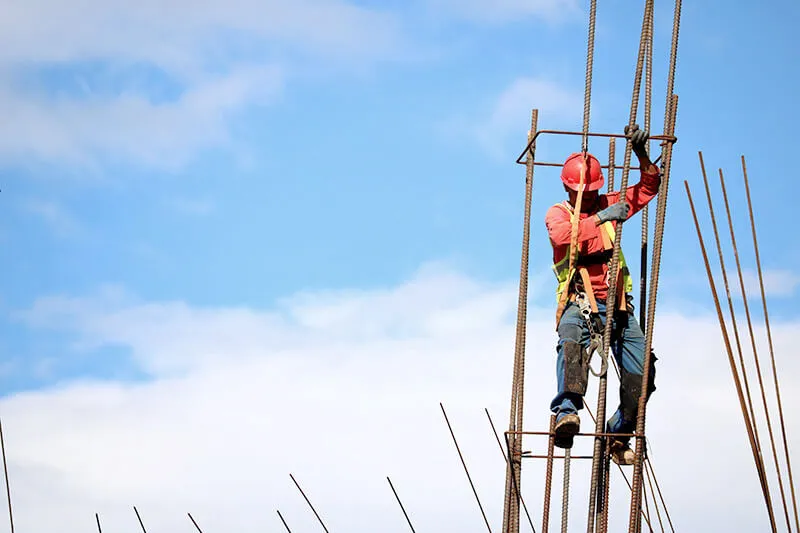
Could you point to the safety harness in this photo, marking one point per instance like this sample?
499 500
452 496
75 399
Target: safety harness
580 290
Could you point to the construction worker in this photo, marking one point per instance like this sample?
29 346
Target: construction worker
585 287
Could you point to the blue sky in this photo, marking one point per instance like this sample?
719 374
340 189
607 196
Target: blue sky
231 160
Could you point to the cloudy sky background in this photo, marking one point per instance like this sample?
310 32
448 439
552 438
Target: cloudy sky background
252 238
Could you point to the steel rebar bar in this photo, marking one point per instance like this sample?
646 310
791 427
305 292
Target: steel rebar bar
319 518
769 339
466 470
728 349
402 507
194 522
283 521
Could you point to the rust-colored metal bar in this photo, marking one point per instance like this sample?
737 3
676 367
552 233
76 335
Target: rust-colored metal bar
138 517
653 493
604 167
745 380
197 527
592 434
309 503
283 521
730 301
729 350
548 476
401 504
5 474
506 459
466 470
769 338
621 471
634 524
565 491
647 507
611 166
755 351
97 519
649 466
531 143
513 470
670 117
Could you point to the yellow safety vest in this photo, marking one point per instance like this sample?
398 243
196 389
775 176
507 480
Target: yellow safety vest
564 274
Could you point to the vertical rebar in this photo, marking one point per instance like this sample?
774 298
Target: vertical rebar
655 501
640 452
513 470
506 459
97 519
769 338
309 503
728 348
611 298
612 152
548 477
648 95
755 351
466 470
565 491
587 93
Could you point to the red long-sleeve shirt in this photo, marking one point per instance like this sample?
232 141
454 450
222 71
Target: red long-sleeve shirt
590 241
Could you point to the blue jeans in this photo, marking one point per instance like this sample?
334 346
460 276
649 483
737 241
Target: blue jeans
627 346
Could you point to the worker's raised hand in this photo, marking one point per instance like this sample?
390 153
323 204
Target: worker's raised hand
617 211
639 140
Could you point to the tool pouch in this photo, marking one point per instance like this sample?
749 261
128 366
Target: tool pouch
576 368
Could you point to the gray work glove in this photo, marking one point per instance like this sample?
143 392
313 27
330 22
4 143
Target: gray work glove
617 211
639 140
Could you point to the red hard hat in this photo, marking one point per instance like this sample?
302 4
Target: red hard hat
571 172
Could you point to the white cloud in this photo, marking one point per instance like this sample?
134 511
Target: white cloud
224 56
61 221
131 127
342 389
507 116
778 283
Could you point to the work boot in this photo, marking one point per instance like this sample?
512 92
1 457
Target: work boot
566 428
621 453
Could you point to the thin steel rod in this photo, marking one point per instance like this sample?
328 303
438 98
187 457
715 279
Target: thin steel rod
587 93
670 115
611 298
649 465
592 434
634 524
648 97
194 522
135 510
506 459
513 471
548 476
655 501
769 338
729 350
401 504
665 139
471 484
621 471
309 503
745 380
755 351
647 507
5 474
565 492
283 521
97 518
